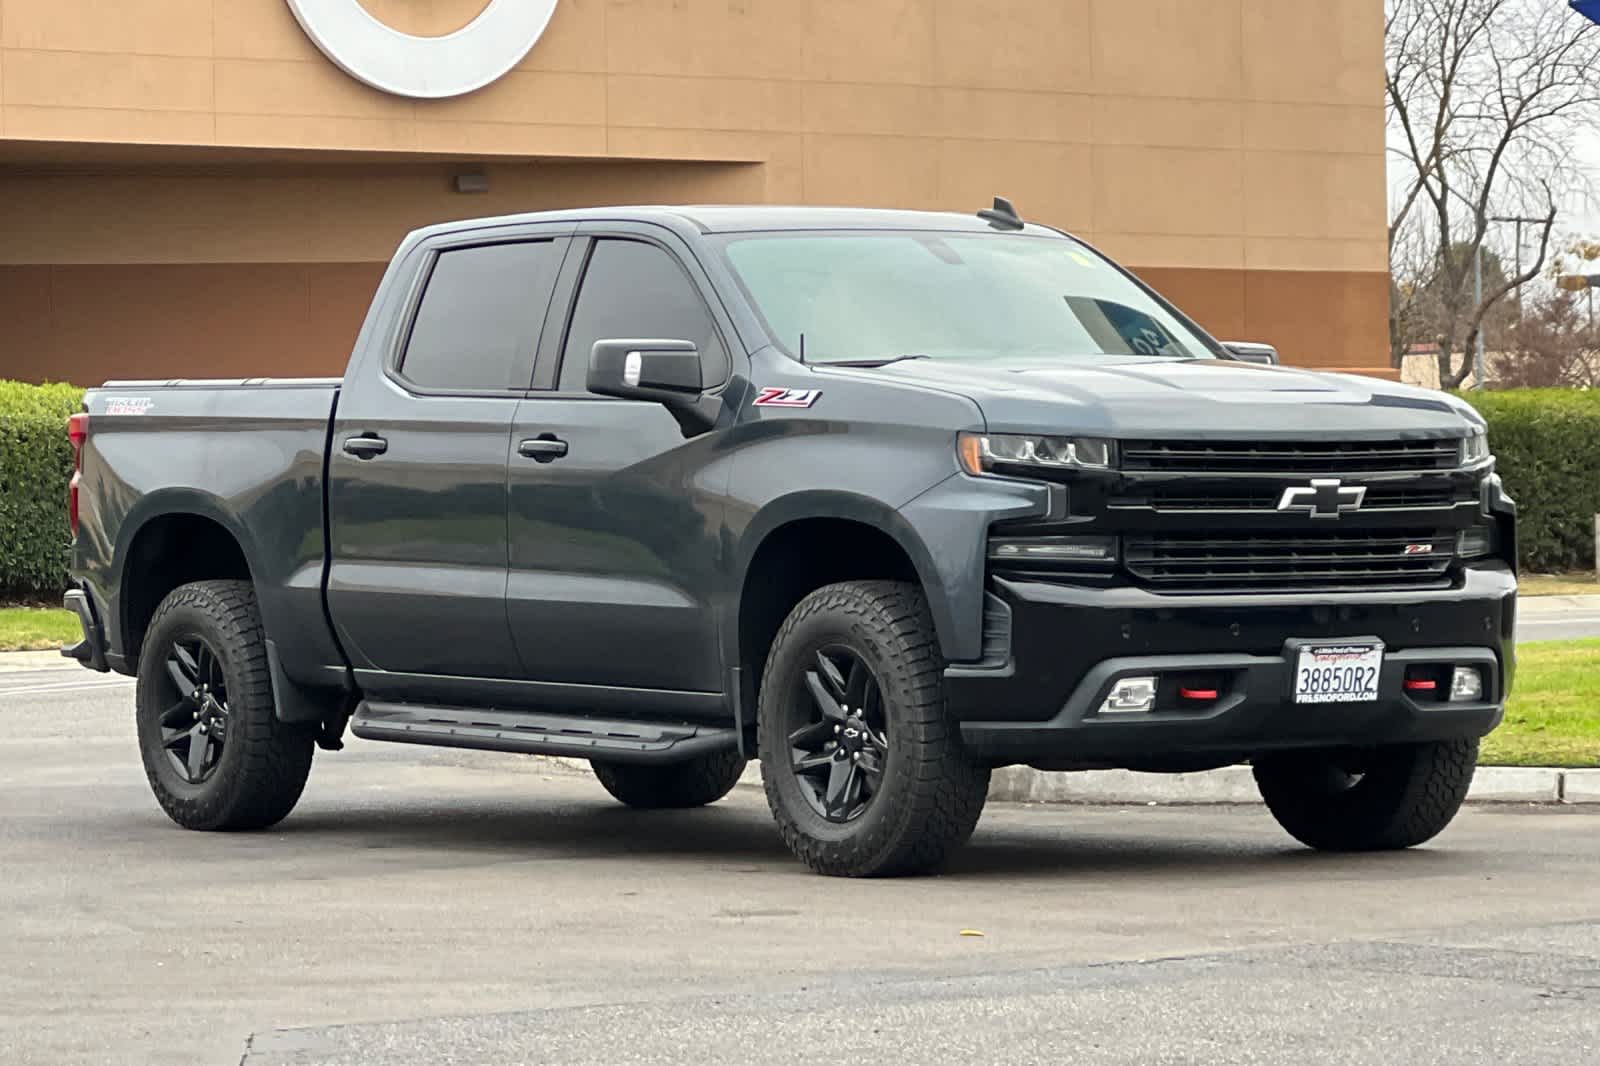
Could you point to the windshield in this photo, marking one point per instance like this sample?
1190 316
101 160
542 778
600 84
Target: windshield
859 296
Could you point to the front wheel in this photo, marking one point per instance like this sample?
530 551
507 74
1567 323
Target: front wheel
864 770
1380 799
215 753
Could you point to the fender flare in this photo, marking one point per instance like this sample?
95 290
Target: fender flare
837 505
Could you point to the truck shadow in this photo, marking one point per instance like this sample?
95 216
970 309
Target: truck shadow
744 836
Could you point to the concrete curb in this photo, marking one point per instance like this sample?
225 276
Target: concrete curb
1229 785
1516 784
1023 784
1581 786
1234 784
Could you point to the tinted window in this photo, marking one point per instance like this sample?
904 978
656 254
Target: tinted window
480 316
633 290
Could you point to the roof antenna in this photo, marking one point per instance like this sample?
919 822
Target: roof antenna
1002 215
802 349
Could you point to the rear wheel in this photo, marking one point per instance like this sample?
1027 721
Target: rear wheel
692 783
214 751
1380 799
864 770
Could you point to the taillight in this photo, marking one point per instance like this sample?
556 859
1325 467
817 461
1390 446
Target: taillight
78 433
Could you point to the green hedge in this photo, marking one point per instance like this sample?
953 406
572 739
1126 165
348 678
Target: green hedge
1547 448
35 466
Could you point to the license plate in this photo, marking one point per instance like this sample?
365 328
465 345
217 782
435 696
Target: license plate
1337 673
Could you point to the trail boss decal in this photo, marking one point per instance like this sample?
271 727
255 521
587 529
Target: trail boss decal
772 397
128 405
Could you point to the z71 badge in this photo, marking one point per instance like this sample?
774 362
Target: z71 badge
772 397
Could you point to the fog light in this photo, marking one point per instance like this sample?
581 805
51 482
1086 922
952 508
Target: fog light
1466 684
1091 551
1131 695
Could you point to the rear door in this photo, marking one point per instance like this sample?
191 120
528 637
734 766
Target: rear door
614 519
417 471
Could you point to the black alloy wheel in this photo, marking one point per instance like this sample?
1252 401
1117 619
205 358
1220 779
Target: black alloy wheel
838 735
194 726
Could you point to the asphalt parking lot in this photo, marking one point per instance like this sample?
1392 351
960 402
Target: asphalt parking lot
433 907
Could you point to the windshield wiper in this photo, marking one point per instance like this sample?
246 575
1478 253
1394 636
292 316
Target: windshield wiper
874 363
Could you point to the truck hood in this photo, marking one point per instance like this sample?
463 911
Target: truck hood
1189 398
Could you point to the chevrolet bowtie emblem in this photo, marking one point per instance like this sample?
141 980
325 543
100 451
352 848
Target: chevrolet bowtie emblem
1323 498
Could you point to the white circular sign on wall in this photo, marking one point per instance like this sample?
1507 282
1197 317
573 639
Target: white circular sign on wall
480 52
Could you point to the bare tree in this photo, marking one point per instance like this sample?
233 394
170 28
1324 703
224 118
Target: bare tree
1483 99
1556 344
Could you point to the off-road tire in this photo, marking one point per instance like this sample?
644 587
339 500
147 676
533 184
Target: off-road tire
264 762
1407 794
932 795
693 783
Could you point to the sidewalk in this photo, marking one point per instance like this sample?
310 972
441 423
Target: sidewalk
1541 605
33 660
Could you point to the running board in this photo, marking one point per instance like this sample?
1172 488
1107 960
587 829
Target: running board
538 733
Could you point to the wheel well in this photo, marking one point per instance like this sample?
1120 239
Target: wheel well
170 551
796 560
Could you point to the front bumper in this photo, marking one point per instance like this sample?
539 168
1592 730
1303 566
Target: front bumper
1069 645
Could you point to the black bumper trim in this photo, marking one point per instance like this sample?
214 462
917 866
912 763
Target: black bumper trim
1256 714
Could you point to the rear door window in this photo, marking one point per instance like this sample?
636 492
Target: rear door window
478 323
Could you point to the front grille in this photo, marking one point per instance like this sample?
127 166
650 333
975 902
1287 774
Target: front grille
1265 561
1307 458
1252 499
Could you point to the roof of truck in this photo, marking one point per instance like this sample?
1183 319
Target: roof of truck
737 218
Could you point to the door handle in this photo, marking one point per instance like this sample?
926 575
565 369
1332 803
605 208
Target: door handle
545 448
365 447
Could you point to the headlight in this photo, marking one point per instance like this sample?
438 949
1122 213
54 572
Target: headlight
1474 449
987 453
1476 542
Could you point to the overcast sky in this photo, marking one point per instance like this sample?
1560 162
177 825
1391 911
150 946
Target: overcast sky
1579 213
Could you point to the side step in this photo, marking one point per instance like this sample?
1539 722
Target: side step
538 733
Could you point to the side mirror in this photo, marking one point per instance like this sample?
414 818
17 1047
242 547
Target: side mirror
661 371
657 371
1264 354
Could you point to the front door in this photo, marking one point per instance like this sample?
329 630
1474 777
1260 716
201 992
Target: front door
417 475
613 522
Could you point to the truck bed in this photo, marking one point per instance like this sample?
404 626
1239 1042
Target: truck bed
171 458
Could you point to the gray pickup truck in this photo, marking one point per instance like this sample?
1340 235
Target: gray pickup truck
883 499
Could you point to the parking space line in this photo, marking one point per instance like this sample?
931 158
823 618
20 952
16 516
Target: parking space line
71 686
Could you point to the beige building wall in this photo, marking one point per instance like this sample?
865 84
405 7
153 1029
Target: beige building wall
190 186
